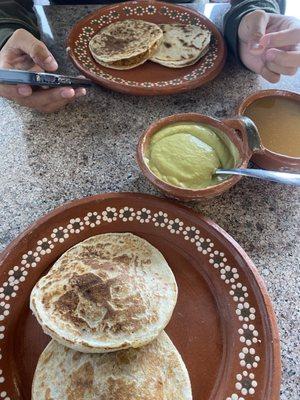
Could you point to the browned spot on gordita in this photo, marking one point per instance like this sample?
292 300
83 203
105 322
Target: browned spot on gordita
183 42
67 302
186 29
81 382
48 395
124 259
93 287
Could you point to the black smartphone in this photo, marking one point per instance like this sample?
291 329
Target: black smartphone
14 77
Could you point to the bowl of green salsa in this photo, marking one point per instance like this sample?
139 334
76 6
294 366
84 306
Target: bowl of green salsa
180 154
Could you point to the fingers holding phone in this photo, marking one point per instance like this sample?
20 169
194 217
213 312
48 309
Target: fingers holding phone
23 51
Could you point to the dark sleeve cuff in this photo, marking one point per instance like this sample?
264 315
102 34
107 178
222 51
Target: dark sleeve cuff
5 34
16 14
7 29
234 16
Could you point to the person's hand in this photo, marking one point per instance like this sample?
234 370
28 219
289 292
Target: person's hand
24 51
269 44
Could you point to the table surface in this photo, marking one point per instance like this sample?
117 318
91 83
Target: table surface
89 148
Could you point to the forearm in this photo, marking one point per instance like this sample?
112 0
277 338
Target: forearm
14 15
239 8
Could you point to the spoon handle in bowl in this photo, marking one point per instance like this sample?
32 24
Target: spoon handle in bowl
287 178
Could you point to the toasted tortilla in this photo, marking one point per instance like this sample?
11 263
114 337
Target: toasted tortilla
125 44
152 372
110 292
182 45
133 62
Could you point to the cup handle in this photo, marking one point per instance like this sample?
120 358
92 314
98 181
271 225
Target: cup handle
247 132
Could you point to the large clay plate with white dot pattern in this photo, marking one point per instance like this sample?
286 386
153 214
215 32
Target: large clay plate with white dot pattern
149 78
223 324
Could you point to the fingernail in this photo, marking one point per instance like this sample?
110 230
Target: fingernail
270 56
80 92
24 90
67 93
48 60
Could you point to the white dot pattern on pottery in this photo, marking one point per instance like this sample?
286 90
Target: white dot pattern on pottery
235 396
248 358
92 219
218 259
143 216
127 214
175 226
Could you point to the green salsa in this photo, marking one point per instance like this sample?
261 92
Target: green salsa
186 155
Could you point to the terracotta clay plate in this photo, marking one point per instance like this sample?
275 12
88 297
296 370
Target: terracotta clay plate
149 78
223 324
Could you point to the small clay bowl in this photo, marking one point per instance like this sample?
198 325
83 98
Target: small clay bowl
241 131
269 159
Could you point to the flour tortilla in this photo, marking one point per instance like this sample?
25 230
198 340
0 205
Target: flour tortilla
182 45
125 44
110 292
132 62
152 372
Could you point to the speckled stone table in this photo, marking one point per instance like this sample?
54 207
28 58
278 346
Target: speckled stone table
89 148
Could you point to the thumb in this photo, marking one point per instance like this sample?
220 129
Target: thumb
257 24
37 50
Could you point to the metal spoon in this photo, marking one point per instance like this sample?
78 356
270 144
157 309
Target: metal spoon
287 178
